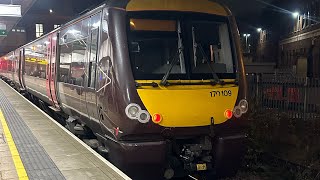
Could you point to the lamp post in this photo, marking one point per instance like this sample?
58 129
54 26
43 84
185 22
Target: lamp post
247 36
295 16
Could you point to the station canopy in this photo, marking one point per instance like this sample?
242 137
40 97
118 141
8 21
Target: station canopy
11 12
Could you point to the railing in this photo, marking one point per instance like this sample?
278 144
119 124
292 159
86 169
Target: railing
297 97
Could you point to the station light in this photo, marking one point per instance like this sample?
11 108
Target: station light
259 29
295 14
50 10
10 10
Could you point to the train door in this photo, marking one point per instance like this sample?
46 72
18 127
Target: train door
11 66
51 71
21 68
82 67
16 68
90 98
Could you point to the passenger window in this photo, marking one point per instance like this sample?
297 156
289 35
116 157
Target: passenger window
73 46
36 58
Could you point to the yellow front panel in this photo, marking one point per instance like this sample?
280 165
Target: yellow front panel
202 6
191 105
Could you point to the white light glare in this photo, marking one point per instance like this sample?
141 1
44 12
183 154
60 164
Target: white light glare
96 25
259 29
50 10
295 14
73 31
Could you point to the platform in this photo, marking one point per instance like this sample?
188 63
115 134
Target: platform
35 146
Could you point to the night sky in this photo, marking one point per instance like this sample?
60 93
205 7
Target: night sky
250 14
265 14
246 7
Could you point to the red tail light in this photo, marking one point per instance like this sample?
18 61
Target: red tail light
228 114
157 118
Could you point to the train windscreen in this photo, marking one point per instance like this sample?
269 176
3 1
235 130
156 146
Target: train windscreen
183 47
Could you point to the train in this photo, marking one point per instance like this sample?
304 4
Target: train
156 86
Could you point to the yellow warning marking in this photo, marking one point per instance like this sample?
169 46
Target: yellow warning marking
22 174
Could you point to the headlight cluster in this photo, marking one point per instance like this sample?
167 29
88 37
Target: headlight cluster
134 111
242 108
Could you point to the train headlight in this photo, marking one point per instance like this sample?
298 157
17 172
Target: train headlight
237 112
132 111
143 117
243 104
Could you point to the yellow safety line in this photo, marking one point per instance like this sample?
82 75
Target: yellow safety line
22 174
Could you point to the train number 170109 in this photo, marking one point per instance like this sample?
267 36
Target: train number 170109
221 93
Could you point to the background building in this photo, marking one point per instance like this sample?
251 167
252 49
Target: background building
299 49
291 37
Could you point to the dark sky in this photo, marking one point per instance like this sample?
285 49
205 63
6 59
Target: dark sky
247 12
250 14
245 7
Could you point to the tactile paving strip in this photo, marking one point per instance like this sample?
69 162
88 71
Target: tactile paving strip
37 162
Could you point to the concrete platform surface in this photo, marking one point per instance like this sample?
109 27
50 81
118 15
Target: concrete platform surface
45 148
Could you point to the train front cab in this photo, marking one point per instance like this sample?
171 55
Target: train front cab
177 112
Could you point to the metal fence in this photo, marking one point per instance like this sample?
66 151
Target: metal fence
297 97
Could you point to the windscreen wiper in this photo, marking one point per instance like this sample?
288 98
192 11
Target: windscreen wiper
215 76
164 81
178 55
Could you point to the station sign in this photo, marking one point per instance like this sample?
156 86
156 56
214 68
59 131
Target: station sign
10 10
3 29
3 32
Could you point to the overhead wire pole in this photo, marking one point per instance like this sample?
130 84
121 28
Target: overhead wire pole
247 36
